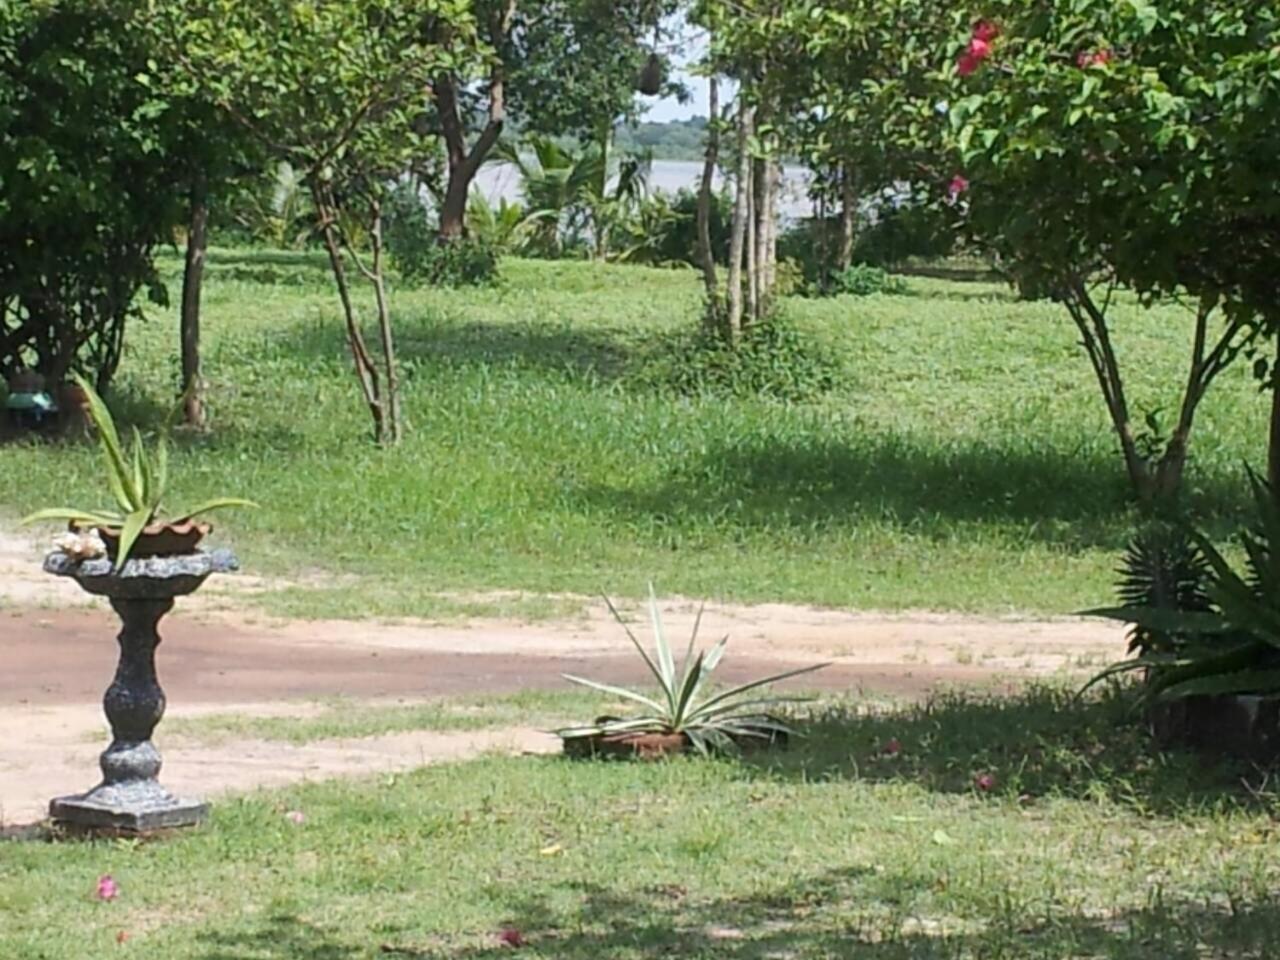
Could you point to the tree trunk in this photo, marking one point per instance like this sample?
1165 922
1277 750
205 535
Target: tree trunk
752 249
706 254
192 283
1157 484
366 371
741 214
391 378
1273 451
848 219
769 242
453 212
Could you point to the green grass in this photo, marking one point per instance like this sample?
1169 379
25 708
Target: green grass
349 719
1089 845
964 462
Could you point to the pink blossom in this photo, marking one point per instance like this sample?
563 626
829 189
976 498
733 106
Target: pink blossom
979 49
967 64
107 889
959 185
511 937
1096 58
296 817
892 747
985 30
985 782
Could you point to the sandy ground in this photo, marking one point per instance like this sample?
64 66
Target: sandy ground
58 654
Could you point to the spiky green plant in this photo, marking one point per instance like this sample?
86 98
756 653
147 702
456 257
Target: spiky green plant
1163 569
1232 646
136 479
710 721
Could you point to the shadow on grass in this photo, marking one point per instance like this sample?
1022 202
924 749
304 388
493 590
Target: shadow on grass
863 913
432 341
1057 497
1041 742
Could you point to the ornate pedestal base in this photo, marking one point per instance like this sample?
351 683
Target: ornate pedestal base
130 798
140 807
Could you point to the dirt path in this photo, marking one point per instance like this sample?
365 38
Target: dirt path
57 654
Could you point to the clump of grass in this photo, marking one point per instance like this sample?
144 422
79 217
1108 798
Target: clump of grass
775 360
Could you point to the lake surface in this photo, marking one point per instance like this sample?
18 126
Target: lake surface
667 176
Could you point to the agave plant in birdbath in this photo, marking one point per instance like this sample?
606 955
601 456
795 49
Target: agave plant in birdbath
138 481
685 712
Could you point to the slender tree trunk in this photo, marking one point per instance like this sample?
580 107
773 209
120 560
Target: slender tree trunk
752 249
366 370
741 214
848 219
706 253
192 283
391 376
1157 484
769 228
1273 452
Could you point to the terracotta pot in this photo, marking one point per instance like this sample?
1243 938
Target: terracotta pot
159 539
654 746
634 746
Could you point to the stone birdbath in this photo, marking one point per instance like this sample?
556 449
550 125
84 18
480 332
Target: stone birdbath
130 798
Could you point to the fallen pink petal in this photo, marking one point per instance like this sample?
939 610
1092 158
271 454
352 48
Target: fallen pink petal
958 186
122 937
107 888
296 817
511 937
985 782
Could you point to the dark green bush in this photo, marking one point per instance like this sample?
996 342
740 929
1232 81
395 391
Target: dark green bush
773 359
418 253
862 280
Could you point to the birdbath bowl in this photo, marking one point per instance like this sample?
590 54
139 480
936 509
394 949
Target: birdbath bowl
130 799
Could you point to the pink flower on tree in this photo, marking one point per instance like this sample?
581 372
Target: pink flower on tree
979 49
958 186
107 888
986 31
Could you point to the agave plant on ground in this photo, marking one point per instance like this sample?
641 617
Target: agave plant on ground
684 705
1219 639
138 481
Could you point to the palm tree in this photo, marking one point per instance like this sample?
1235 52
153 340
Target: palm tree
575 192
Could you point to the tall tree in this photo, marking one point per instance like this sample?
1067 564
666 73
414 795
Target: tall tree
334 88
92 169
556 66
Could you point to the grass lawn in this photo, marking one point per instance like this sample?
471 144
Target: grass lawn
1089 844
964 462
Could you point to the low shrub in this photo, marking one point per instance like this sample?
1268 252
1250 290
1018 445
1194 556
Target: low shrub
862 280
418 253
774 359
